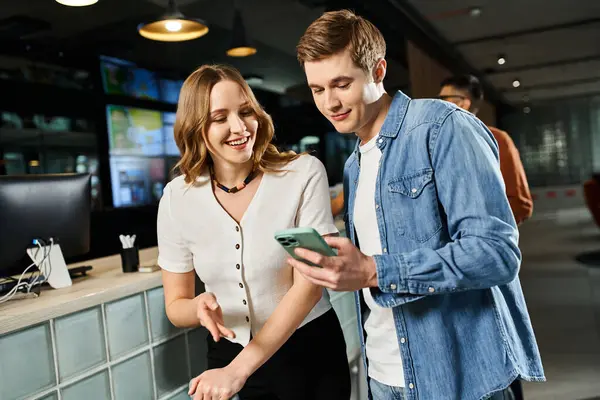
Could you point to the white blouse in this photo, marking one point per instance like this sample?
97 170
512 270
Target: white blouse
242 264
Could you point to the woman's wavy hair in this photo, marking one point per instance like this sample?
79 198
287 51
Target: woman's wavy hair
192 122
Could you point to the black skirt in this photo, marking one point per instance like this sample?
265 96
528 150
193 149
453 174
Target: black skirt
311 365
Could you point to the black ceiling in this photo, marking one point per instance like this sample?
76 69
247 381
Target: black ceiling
552 47
46 30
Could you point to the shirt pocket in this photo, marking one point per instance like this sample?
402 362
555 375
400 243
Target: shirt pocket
414 205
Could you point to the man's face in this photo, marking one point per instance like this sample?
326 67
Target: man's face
456 96
344 93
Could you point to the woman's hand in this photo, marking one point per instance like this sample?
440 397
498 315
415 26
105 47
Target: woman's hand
210 316
216 384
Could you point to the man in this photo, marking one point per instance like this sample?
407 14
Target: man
437 261
466 92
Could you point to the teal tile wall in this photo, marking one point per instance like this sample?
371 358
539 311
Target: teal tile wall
132 379
26 362
160 326
126 349
102 353
197 350
50 396
126 325
171 368
95 387
79 342
180 396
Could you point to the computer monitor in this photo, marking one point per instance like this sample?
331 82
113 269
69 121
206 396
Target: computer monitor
32 207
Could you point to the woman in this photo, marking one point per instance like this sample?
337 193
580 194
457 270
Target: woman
281 340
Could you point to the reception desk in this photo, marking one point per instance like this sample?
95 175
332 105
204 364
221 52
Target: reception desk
107 337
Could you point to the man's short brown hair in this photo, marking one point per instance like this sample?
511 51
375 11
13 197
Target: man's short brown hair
335 31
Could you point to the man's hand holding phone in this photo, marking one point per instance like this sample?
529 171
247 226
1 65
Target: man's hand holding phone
349 270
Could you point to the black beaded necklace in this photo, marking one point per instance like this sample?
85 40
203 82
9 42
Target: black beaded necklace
234 189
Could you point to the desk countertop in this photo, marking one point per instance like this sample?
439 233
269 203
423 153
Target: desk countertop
104 283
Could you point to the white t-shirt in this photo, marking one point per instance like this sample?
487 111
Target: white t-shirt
383 351
242 264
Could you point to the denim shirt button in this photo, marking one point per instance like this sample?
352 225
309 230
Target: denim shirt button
402 340
380 140
393 286
385 250
414 190
431 290
377 206
410 385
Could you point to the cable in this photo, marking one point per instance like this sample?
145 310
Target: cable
46 271
35 277
49 263
14 290
29 285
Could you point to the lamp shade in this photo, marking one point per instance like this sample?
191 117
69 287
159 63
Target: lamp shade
173 27
240 45
76 3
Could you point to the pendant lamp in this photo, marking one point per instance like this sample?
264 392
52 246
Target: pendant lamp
240 45
173 26
76 3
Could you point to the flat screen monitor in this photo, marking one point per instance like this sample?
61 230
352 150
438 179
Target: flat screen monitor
136 155
135 131
169 90
124 78
137 181
32 207
171 148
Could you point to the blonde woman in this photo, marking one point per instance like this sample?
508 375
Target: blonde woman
273 334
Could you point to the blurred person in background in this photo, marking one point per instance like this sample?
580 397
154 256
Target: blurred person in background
466 92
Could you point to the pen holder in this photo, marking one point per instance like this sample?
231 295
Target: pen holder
130 259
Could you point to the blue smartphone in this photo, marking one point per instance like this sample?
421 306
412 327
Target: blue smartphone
305 238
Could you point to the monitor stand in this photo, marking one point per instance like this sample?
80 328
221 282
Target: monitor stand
53 266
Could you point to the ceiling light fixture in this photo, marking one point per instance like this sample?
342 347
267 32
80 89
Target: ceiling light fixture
501 59
173 27
516 83
475 12
240 45
254 80
76 3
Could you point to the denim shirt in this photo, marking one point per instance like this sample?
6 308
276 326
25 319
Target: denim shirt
450 254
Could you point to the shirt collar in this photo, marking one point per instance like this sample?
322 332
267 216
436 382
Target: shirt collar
395 116
393 120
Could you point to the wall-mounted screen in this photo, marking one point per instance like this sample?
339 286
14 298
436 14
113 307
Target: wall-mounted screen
129 81
169 90
124 78
171 148
135 131
141 150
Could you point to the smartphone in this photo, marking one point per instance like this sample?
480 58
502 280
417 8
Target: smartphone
305 238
